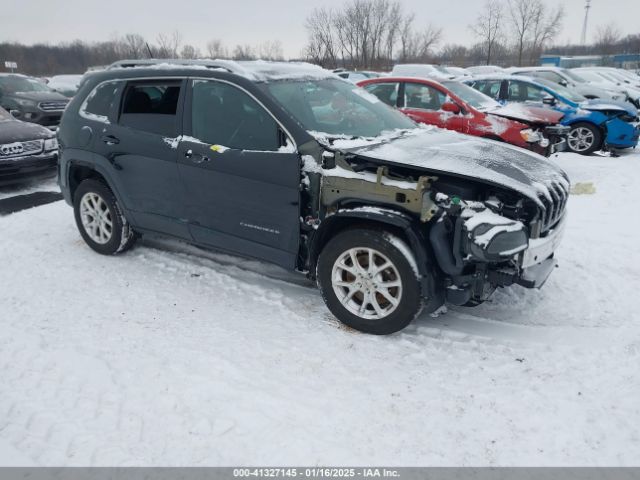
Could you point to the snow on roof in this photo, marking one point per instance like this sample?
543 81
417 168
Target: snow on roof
478 69
502 76
255 70
419 70
534 69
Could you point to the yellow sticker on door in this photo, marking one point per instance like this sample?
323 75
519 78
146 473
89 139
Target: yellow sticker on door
219 148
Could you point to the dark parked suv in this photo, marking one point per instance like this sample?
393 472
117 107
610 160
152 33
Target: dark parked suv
30 100
289 164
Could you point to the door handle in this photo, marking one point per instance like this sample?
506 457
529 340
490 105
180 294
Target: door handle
196 157
110 140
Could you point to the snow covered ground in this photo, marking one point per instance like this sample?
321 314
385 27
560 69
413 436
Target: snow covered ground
171 356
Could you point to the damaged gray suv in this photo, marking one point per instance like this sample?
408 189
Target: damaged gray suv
289 164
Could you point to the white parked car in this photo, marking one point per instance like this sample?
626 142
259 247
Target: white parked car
67 85
459 72
568 79
422 70
484 69
617 74
612 80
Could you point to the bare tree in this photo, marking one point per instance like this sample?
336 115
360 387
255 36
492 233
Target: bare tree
488 27
406 37
270 50
169 44
217 49
321 46
244 52
544 29
190 52
521 14
393 29
607 38
134 46
454 54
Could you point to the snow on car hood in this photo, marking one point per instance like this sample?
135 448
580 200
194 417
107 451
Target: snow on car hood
525 113
18 131
600 105
441 152
39 96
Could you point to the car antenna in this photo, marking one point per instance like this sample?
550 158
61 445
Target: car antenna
149 49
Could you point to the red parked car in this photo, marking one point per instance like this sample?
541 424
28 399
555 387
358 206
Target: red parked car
456 106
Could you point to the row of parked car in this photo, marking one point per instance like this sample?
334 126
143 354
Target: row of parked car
290 164
544 109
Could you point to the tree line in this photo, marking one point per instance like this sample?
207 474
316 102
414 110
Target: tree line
362 34
78 56
375 34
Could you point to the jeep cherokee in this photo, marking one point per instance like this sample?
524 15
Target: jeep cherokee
289 164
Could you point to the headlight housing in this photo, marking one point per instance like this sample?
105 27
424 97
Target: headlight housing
493 242
534 136
26 103
51 144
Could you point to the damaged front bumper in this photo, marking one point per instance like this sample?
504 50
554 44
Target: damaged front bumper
499 253
557 138
537 261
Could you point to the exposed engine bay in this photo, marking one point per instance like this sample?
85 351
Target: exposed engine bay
477 233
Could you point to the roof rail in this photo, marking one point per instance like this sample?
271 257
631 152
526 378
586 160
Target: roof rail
256 70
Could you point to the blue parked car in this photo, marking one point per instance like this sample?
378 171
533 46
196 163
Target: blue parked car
595 124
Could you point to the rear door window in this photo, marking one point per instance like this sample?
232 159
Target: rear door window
489 87
386 92
151 107
525 92
423 97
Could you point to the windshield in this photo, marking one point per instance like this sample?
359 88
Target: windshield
472 96
336 107
591 76
16 83
573 76
560 90
615 75
4 115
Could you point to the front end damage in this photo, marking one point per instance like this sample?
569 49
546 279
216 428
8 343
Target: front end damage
479 237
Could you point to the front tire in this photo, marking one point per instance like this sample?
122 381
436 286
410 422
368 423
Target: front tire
584 138
100 220
368 280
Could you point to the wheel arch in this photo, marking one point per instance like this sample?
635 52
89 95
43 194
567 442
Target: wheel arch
79 170
395 222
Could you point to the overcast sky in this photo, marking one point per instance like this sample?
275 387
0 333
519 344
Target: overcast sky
253 21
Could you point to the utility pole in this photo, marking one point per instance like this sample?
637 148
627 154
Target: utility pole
583 38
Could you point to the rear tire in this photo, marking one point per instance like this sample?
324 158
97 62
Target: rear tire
584 138
100 220
369 282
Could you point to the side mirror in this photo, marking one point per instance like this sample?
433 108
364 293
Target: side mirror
564 83
15 113
450 107
549 100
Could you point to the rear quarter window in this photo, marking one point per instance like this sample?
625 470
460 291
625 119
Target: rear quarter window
100 102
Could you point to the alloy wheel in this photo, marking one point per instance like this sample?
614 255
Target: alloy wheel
581 139
96 218
367 283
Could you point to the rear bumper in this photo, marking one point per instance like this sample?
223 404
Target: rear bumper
19 169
